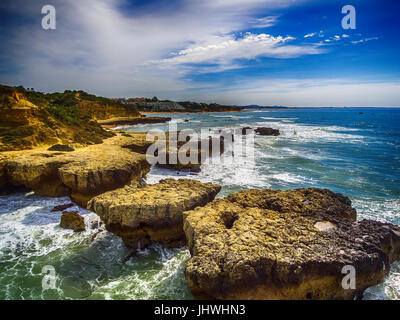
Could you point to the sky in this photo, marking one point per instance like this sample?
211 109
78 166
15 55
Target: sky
240 52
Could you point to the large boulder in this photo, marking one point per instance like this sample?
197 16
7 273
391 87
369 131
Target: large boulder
141 215
72 220
264 244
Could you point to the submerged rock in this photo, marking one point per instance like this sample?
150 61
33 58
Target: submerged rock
140 215
264 244
62 207
72 220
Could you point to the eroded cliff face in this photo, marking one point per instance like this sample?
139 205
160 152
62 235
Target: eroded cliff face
264 244
25 125
141 214
105 111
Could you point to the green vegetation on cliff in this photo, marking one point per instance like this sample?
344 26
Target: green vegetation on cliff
71 107
29 119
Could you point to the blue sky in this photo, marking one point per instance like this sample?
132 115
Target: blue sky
267 52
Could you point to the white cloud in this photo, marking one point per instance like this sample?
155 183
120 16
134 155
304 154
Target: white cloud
310 35
345 36
263 22
98 48
225 49
365 40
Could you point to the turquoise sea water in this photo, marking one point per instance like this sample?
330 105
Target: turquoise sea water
352 151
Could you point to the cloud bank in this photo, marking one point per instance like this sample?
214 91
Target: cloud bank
110 48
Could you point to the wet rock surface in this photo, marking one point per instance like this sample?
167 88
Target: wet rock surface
143 214
62 207
264 244
263 131
72 220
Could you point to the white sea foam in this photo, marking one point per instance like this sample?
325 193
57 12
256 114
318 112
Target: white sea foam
30 237
288 177
279 119
176 121
161 277
231 169
309 133
233 117
385 210
389 289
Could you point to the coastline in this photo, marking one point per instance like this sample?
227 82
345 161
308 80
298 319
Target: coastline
94 170
185 112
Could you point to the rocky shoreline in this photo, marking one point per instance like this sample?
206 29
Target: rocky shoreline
255 244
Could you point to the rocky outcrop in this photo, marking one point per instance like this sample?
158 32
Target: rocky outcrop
143 214
262 131
202 149
72 220
267 131
264 244
83 173
97 170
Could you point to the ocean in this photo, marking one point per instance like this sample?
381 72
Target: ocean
353 151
